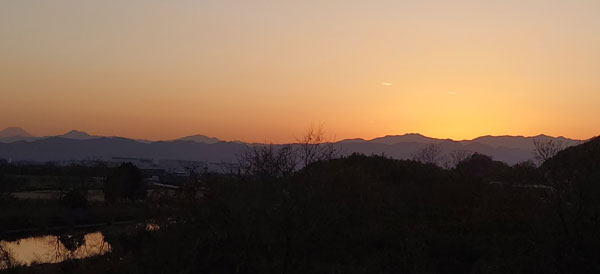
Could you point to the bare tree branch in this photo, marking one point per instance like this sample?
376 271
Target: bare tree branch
313 146
546 148
430 154
457 156
268 161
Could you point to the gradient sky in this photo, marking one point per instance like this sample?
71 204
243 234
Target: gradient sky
266 70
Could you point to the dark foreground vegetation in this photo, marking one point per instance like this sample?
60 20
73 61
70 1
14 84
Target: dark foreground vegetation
354 214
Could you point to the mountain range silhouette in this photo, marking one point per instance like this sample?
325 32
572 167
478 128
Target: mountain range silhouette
18 145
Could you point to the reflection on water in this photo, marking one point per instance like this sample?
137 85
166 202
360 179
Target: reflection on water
55 249
152 227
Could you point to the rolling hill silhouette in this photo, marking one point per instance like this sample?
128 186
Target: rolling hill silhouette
580 161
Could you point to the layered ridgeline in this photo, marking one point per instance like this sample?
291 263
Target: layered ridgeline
18 145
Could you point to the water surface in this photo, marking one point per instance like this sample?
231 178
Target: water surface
55 249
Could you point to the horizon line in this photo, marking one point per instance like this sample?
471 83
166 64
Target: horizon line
291 142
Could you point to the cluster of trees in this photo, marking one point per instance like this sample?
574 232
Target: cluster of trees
266 162
372 214
124 182
544 149
303 210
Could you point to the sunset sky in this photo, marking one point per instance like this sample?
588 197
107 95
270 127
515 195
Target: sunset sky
266 70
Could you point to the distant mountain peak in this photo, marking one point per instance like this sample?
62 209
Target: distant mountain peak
405 138
77 134
353 140
411 134
14 132
198 138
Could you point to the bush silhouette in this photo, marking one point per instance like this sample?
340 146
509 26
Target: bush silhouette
75 198
125 182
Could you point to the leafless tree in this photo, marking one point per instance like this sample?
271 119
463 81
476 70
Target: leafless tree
313 146
457 156
268 161
430 154
546 148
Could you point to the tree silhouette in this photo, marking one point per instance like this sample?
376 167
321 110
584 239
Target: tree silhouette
430 154
314 146
268 161
546 148
125 182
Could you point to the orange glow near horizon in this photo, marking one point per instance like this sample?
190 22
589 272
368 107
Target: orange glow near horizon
264 71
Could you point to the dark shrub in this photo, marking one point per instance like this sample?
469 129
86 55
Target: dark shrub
7 186
125 182
75 198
